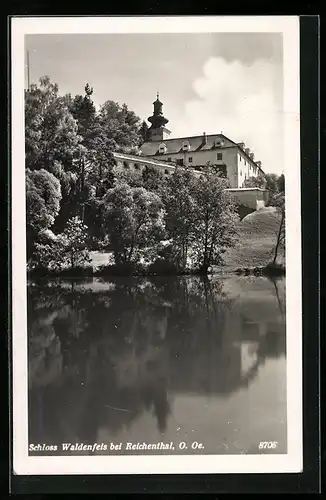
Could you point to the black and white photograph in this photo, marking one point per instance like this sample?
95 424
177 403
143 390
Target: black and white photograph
156 245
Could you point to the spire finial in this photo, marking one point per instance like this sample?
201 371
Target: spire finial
158 95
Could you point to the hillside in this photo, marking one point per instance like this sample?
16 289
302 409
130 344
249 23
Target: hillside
257 237
255 248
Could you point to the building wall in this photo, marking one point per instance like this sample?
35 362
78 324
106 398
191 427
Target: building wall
239 167
159 134
141 164
254 198
245 169
229 158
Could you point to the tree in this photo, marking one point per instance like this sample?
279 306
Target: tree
152 178
74 239
134 222
68 250
43 196
280 239
51 132
84 112
120 126
180 208
272 187
272 182
143 132
255 182
114 128
215 220
281 183
52 142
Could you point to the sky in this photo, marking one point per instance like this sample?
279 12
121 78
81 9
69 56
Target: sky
208 82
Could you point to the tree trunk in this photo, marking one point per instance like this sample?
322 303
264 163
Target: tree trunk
278 237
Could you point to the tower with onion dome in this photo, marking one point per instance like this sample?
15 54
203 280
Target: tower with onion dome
158 130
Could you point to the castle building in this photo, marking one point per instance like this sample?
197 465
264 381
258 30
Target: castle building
234 160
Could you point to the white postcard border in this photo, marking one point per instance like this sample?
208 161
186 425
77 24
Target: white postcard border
167 464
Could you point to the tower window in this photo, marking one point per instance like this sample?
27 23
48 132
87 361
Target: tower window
219 156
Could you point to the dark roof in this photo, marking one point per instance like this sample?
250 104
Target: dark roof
197 143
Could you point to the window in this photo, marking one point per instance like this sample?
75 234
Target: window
190 159
180 161
166 171
137 167
240 173
169 159
185 146
219 156
240 158
125 164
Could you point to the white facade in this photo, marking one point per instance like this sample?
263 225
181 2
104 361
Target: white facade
235 161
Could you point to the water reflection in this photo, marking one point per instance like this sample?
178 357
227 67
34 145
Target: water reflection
160 359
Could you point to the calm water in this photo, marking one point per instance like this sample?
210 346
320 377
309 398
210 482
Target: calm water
160 360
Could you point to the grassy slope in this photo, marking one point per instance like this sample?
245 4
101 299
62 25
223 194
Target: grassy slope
257 237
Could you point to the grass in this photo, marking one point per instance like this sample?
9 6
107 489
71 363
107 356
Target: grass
257 238
253 253
255 249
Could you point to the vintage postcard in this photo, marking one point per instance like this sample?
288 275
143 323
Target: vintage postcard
156 245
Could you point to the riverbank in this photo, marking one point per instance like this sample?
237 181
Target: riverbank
270 270
253 255
257 238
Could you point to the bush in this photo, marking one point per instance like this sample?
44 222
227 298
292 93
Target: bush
162 267
274 269
76 272
127 269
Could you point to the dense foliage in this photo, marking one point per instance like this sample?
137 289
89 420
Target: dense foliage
79 199
275 184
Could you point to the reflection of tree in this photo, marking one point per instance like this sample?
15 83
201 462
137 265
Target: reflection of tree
280 305
125 348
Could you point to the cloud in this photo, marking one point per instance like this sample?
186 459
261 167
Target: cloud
242 100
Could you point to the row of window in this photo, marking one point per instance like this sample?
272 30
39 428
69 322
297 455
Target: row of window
219 156
245 163
137 167
186 146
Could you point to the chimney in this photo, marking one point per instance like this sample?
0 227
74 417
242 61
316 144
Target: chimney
204 138
258 163
241 144
247 151
252 156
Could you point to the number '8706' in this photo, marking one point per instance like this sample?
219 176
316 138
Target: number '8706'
270 445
